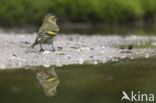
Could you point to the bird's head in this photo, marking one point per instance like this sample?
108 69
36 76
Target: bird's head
50 18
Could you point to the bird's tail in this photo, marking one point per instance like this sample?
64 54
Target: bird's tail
36 41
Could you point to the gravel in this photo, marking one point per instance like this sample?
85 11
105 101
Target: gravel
70 49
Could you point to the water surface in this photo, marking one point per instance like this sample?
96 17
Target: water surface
102 83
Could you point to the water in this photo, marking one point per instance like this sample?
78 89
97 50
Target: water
102 83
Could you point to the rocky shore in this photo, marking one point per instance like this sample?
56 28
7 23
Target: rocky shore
70 49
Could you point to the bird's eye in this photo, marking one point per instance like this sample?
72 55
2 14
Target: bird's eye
53 18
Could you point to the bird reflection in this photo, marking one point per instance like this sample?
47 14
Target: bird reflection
48 79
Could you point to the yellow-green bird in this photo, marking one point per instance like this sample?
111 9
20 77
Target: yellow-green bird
47 33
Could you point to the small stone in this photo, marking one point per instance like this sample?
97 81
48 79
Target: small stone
46 52
95 62
81 61
91 56
14 55
46 65
104 60
147 56
26 42
2 66
60 48
103 47
75 47
115 60
123 57
78 51
59 52
91 48
85 49
68 57
70 39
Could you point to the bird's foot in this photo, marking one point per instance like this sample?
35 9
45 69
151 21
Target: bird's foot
41 50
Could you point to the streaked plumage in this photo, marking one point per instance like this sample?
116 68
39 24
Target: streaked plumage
48 79
47 32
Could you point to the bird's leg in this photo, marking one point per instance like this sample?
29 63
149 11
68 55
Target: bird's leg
41 50
52 46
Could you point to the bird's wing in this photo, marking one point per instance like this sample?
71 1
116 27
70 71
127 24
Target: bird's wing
48 29
39 37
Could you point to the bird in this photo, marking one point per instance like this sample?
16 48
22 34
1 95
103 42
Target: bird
47 32
48 79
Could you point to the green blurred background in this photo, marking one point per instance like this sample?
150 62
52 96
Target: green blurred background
89 12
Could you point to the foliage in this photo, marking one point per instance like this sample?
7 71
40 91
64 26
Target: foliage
19 12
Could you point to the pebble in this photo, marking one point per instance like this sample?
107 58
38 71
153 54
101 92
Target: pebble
147 56
59 52
95 62
104 60
81 61
68 57
78 51
46 65
46 52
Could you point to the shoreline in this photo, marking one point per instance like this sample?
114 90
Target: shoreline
70 49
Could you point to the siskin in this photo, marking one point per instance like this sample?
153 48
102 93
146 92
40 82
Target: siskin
48 79
47 33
